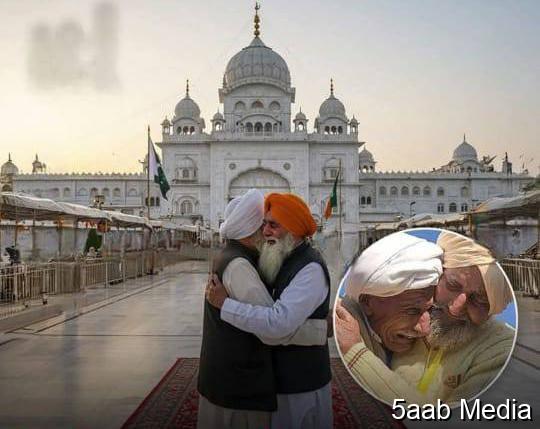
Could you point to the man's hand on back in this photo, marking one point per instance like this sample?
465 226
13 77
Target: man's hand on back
216 294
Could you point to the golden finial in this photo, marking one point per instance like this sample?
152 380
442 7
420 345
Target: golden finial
256 20
187 87
331 86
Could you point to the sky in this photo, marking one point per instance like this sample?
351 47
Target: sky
417 74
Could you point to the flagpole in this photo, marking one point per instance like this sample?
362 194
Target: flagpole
148 175
339 204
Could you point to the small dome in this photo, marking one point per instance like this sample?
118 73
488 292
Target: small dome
354 121
465 152
166 122
366 156
8 168
218 116
332 107
257 63
300 116
187 108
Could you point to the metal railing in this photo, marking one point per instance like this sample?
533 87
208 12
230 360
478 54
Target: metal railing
524 275
24 283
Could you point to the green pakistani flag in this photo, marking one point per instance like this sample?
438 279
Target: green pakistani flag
332 201
155 169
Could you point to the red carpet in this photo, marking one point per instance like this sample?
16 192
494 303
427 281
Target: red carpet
174 401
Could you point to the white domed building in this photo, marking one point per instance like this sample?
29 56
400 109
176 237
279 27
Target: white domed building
256 141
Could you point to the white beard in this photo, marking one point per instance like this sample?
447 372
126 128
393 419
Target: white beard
447 333
273 255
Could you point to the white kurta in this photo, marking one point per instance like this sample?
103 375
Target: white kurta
243 283
307 290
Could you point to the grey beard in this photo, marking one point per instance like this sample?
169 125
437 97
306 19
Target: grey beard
448 333
272 257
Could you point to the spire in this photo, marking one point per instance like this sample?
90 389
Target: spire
464 139
256 19
37 157
187 87
331 87
9 156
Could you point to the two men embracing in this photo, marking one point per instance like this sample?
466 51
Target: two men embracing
264 359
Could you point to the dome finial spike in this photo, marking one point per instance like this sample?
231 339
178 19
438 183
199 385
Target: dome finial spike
9 156
331 86
257 20
464 139
187 87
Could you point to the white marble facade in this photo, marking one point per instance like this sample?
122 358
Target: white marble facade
255 141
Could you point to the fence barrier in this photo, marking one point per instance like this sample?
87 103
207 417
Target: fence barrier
21 284
524 275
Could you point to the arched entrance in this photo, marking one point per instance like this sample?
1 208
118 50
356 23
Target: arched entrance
262 179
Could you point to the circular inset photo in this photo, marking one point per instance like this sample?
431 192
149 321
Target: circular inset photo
425 315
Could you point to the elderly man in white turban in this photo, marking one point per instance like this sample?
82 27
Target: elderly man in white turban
389 289
465 349
236 378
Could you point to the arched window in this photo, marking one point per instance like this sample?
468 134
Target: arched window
464 191
393 190
132 192
249 127
452 208
186 207
157 201
363 200
239 106
327 130
382 190
117 192
275 128
340 130
353 129
440 208
416 190
218 126
440 191
404 191
257 105
192 130
274 106
333 130
300 126
368 201
258 127
268 127
469 169
93 192
464 207
67 193
106 193
179 130
427 191
185 130
152 201
185 173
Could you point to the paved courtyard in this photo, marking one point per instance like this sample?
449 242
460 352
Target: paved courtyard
92 371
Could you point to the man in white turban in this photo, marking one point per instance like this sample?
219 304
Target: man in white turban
236 378
389 289
465 348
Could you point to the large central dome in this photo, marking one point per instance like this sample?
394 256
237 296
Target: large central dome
257 63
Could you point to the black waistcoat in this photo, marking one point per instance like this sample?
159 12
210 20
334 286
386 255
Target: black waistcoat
235 366
301 368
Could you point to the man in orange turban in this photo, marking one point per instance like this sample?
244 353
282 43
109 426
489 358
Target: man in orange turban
298 280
